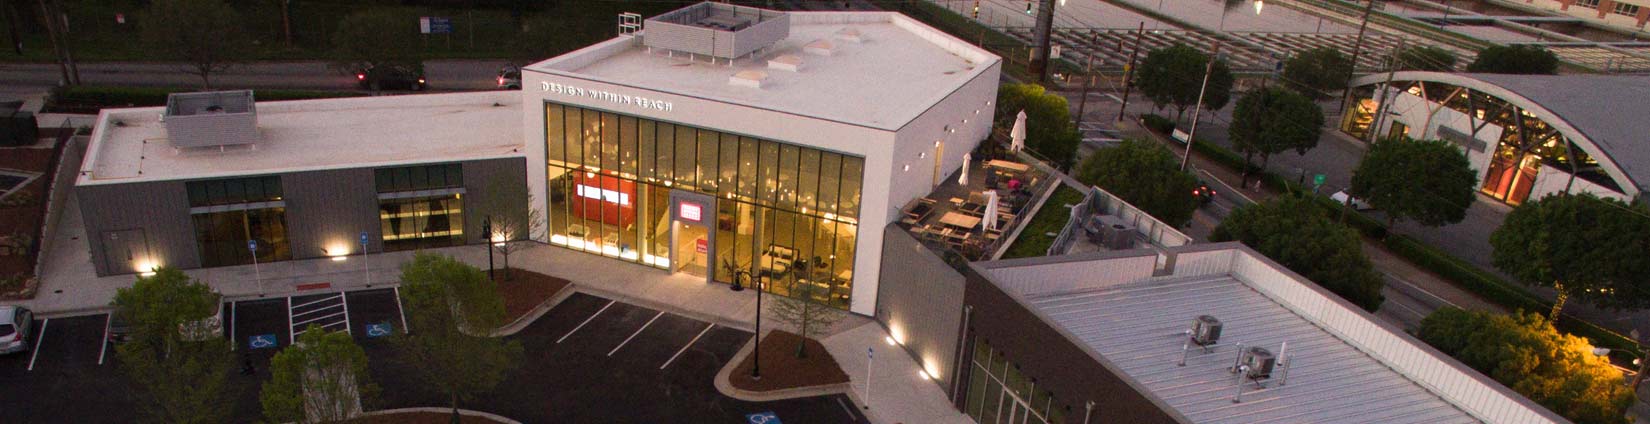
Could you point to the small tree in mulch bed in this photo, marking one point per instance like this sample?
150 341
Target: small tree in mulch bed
802 312
447 302
515 221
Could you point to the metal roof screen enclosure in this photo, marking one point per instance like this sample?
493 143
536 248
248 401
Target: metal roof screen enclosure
717 30
211 119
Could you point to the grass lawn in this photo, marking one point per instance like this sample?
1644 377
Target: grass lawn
1035 239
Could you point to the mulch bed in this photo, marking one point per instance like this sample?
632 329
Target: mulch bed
525 290
25 219
419 418
781 369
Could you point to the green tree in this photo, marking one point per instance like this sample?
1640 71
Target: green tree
1271 120
514 221
1429 181
321 378
1515 59
1293 231
1580 245
1050 131
452 311
1145 174
374 37
180 378
1174 75
1317 72
1524 352
1426 58
204 35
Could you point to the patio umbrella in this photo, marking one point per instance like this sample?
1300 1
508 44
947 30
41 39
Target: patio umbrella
990 219
963 179
1018 134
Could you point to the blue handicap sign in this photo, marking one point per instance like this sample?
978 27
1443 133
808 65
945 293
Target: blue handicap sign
379 329
765 417
363 238
252 245
262 341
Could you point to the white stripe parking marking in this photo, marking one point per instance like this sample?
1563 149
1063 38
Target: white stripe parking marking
310 320
345 301
316 310
688 345
401 310
315 301
633 335
586 321
36 352
292 337
234 315
846 410
107 319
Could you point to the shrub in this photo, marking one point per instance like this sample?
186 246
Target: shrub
1157 123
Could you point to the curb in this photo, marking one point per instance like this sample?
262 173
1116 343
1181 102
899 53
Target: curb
725 386
538 311
465 412
666 307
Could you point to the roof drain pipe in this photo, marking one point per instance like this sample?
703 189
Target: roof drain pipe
1088 411
1242 371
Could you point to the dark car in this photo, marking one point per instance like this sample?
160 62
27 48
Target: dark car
1203 193
391 77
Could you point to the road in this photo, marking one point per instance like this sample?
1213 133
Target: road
443 75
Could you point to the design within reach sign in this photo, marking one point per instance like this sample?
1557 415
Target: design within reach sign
608 96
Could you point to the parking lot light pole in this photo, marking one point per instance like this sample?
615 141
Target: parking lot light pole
487 239
756 364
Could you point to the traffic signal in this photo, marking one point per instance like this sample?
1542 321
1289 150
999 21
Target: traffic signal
1028 8
976 9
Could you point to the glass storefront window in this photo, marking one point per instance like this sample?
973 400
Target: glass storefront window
223 237
421 222
999 393
777 208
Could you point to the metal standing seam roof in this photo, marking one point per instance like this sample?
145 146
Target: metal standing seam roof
1140 327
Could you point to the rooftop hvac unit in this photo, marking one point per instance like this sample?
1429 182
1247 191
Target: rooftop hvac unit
1260 362
1205 330
1115 233
211 119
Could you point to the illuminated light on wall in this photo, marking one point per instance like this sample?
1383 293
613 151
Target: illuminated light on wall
889 339
147 268
925 375
337 253
930 370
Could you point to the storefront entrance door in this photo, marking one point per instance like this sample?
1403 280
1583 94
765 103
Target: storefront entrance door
692 243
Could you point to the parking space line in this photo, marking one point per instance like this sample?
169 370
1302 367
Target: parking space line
292 336
35 353
401 310
586 321
633 335
320 318
345 301
689 344
316 310
105 348
847 410
312 302
234 315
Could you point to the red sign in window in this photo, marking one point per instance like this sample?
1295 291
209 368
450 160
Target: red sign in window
689 211
604 198
701 246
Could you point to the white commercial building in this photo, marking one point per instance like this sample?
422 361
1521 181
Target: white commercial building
752 145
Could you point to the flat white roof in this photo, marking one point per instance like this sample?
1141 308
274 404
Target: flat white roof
130 145
899 70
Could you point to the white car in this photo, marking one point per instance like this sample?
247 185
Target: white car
1357 204
15 324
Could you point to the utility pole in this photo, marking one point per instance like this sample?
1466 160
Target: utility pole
57 48
286 21
1128 71
11 22
1082 103
1039 52
68 47
1191 136
1357 47
1381 107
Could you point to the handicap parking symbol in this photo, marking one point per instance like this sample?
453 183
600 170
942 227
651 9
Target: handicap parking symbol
261 341
380 329
766 417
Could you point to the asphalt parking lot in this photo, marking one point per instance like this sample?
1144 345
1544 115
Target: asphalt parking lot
589 359
592 359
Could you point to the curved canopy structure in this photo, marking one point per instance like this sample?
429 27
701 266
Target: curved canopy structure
1602 116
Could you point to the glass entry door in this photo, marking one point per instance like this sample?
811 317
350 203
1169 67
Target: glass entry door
691 254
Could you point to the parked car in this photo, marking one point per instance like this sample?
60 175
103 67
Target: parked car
509 78
1357 204
16 322
391 77
120 329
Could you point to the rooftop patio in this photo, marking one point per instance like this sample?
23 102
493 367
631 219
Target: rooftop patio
956 214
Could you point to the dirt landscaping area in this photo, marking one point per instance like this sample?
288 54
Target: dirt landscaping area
419 418
781 369
525 290
22 211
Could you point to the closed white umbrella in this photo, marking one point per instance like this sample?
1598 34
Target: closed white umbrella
990 219
1018 134
963 179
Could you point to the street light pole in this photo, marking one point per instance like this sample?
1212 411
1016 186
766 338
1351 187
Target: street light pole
1191 136
756 364
1128 72
1357 48
487 237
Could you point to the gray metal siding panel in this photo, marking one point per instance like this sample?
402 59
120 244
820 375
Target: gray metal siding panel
479 177
330 208
920 298
160 208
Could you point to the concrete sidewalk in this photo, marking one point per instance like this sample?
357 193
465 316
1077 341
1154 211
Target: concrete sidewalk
898 392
